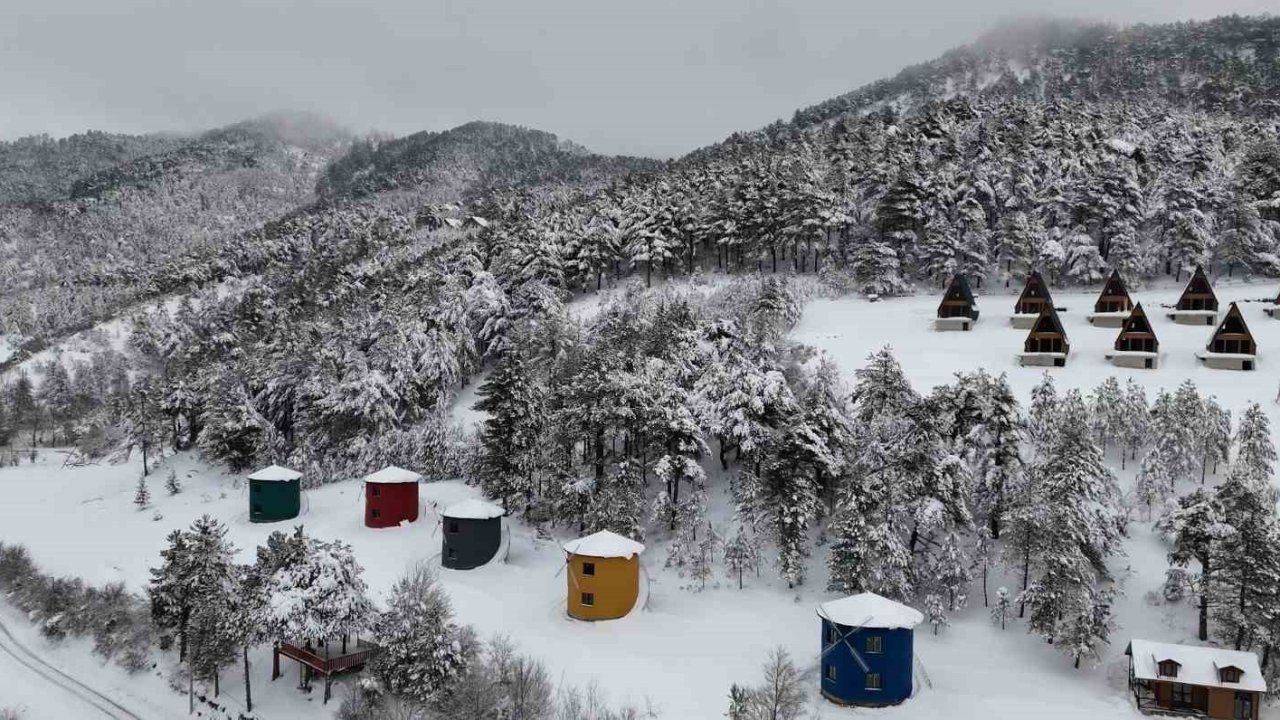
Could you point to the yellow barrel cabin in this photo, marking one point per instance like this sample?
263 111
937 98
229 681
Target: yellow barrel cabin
603 576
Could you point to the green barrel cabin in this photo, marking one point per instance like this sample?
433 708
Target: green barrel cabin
275 494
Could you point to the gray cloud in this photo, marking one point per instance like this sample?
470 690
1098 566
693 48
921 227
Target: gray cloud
656 77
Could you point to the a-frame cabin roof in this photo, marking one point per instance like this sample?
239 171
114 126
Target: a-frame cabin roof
1233 327
1112 290
958 294
1035 289
1137 325
959 289
1048 324
1198 286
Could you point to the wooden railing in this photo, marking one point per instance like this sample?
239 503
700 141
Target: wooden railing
361 654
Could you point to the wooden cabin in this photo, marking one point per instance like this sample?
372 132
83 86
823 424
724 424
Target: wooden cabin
958 310
1168 679
1232 346
1198 304
1113 305
472 534
1034 298
275 494
1136 345
603 572
1047 343
868 650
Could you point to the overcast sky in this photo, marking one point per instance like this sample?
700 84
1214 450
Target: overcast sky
653 77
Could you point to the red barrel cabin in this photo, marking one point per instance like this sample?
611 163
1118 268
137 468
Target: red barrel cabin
390 497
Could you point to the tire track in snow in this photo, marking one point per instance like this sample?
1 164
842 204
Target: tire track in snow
10 646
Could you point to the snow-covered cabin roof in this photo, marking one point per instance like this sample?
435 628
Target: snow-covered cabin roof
479 221
872 611
473 509
1197 665
604 544
275 473
393 474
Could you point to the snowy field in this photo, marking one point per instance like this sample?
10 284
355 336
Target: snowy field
685 650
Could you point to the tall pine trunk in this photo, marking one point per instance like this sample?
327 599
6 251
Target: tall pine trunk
248 688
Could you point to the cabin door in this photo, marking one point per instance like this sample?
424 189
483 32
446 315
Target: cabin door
1244 706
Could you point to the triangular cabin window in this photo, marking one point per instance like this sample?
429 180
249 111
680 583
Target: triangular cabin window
1169 668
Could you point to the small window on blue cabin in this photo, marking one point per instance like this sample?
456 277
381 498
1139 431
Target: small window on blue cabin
875 644
453 526
832 636
830 672
873 681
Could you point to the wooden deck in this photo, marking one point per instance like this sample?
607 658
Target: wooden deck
324 662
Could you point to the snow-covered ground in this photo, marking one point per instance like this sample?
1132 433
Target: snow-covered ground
685 650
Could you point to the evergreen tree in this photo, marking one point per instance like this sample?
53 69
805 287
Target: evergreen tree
510 434
1197 527
171 482
424 652
142 498
1002 609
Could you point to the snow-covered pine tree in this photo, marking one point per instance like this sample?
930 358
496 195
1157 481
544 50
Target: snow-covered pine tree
1154 483
1135 422
424 651
995 456
171 482
142 496
1089 627
509 436
1216 439
1249 562
1002 608
1197 528
935 612
1042 417
1106 404
741 553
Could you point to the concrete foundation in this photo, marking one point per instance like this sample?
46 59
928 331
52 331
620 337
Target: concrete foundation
1108 320
955 323
1042 359
1194 317
1219 361
1023 322
1137 361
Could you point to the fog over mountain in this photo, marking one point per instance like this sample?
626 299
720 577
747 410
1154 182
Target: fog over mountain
656 78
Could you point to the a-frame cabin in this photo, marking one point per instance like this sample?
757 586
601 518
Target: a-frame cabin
1034 298
958 310
1113 305
1232 346
1047 343
1136 345
1198 304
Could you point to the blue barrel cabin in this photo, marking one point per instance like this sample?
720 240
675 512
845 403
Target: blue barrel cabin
867 650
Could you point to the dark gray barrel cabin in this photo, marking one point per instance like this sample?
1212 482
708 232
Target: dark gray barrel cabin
472 534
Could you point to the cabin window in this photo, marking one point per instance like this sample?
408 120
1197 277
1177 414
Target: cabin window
453 554
1168 668
257 509
833 636
453 526
375 513
375 491
588 599
873 681
1181 695
875 644
256 488
588 568
1243 706
1229 675
830 672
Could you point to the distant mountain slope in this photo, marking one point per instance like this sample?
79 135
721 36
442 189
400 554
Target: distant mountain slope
41 169
77 248
1229 64
467 161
